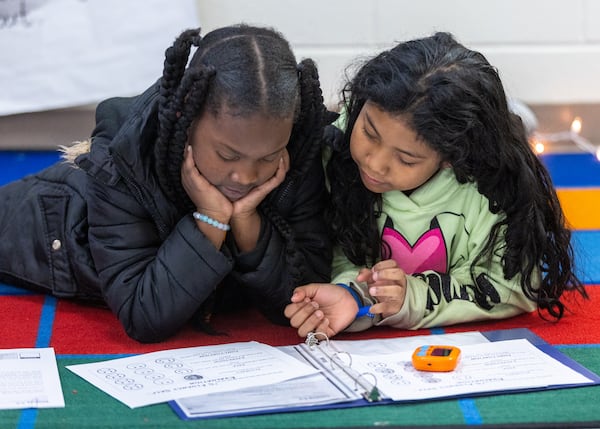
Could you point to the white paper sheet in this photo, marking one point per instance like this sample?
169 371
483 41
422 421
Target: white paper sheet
170 374
495 366
29 379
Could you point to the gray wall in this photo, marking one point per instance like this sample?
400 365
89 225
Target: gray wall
547 51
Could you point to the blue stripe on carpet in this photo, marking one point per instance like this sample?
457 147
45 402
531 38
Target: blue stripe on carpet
586 245
11 290
46 322
16 164
470 412
27 418
573 170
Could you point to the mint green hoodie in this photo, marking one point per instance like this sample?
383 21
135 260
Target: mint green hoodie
435 235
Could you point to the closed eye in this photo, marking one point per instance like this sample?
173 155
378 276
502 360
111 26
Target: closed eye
228 158
270 158
368 134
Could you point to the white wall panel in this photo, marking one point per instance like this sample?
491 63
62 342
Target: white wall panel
490 21
552 76
547 51
591 20
305 22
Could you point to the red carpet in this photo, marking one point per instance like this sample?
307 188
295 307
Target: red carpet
76 329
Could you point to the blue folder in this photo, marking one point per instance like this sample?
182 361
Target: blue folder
493 336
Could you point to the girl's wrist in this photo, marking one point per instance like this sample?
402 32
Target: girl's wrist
245 218
246 230
221 215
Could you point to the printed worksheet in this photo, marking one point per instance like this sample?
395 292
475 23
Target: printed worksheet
179 373
29 379
488 367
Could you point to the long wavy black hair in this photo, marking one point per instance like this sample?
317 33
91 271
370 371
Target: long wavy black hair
245 70
453 99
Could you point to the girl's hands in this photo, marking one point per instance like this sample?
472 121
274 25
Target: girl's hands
387 284
245 220
241 215
246 206
321 307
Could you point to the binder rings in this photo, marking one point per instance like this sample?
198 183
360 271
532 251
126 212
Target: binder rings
365 372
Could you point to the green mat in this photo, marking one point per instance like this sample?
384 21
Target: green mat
89 407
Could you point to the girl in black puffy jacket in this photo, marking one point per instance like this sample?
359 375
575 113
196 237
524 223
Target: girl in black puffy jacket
204 192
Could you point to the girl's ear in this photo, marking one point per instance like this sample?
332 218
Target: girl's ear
446 164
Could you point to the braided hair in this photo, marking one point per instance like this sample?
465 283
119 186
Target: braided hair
455 102
246 70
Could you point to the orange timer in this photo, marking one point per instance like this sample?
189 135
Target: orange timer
435 358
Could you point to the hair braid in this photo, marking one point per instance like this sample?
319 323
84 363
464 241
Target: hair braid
293 257
187 102
308 128
176 58
304 146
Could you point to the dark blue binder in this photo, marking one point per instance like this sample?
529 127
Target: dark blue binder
492 336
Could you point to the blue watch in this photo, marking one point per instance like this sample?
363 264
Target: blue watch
363 310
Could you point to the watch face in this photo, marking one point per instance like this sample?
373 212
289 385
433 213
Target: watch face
441 351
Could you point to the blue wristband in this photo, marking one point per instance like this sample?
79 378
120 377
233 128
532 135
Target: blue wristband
363 310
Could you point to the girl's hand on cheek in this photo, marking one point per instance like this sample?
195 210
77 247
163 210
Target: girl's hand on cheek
207 198
246 206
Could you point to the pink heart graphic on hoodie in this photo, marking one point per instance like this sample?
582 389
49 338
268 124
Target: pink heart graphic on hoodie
428 253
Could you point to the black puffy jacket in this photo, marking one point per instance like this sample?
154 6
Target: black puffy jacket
103 229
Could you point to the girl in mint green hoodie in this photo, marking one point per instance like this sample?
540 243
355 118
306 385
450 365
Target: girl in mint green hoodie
441 212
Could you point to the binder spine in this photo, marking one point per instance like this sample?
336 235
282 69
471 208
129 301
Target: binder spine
368 390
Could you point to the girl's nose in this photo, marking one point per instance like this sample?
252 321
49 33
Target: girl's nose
377 160
245 174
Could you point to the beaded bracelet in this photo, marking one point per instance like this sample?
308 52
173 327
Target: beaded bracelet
212 222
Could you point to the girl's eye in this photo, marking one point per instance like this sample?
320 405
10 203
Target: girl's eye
368 134
404 162
273 157
228 158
